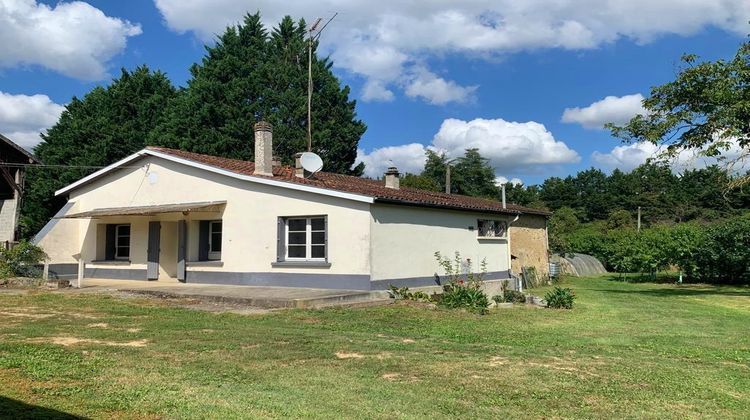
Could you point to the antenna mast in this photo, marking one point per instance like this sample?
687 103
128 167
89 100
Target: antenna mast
312 38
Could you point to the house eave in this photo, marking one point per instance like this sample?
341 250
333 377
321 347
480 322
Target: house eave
213 169
444 207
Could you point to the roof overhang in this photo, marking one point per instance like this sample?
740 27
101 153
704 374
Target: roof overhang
255 179
200 207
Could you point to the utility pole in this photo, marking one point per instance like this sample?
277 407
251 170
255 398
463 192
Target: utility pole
639 219
447 178
311 39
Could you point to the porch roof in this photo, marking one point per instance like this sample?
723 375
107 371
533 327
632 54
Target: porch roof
203 206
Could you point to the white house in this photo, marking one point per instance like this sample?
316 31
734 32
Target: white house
169 215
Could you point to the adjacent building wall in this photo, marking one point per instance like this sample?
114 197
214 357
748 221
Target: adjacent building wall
528 237
8 219
404 240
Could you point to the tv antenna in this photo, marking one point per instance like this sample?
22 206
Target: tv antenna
313 35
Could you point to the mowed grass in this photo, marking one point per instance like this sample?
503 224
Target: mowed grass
626 350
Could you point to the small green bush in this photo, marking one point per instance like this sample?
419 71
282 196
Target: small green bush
510 296
464 295
21 261
405 294
560 298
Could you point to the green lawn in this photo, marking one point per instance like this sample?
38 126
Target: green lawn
626 350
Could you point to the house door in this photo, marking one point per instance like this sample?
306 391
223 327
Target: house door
152 267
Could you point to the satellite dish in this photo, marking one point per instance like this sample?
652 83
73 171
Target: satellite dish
311 162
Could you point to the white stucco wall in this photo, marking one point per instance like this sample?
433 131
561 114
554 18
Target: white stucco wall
61 238
249 218
405 239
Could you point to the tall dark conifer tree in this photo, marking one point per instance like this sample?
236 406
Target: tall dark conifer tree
251 75
104 126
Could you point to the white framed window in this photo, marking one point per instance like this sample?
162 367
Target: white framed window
214 240
122 242
305 238
487 228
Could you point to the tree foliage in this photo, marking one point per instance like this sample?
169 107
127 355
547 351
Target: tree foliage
714 253
563 222
706 109
474 176
104 126
471 173
250 75
697 194
420 182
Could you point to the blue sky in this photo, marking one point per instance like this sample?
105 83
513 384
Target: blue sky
487 74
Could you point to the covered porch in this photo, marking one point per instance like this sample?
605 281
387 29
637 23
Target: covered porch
155 242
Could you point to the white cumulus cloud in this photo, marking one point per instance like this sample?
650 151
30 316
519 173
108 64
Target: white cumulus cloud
630 156
408 158
435 90
612 109
23 117
511 147
73 38
387 40
500 180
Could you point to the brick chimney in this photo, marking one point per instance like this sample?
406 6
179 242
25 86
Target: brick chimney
263 149
299 171
391 178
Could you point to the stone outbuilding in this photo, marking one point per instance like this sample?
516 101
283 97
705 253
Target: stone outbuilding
13 162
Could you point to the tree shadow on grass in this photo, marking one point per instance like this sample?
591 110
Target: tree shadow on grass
685 289
14 409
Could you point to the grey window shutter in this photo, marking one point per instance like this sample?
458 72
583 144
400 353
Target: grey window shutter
109 243
325 226
203 241
280 239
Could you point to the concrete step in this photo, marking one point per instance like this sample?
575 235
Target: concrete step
349 299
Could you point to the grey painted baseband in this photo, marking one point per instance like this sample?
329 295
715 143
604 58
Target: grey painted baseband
115 274
317 281
428 281
63 271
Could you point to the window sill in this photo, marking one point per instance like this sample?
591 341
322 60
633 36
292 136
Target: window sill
111 262
491 238
302 264
205 263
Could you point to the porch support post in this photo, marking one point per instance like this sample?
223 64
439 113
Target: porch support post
81 268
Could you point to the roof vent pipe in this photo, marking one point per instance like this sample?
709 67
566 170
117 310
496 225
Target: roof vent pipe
263 149
391 178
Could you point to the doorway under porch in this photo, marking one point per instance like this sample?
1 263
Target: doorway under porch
152 243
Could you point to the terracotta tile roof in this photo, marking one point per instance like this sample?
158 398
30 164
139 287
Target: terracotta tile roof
356 185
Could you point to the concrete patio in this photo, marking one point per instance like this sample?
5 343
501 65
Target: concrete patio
255 296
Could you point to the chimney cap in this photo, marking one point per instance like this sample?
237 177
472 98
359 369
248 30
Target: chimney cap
263 126
392 170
